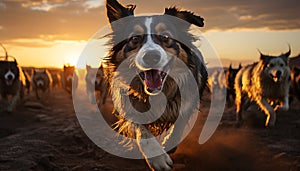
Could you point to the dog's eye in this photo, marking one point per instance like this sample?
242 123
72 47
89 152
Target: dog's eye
165 38
136 39
281 65
271 65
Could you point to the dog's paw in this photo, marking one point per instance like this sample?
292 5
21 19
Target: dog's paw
284 108
92 99
161 162
271 124
239 123
9 109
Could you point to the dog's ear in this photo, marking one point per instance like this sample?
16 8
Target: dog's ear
185 15
262 56
240 66
230 67
115 10
286 55
87 67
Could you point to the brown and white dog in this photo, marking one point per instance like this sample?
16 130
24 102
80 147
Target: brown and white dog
12 83
41 82
148 49
267 84
56 78
96 86
69 78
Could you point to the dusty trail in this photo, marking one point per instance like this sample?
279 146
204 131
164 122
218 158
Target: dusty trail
48 136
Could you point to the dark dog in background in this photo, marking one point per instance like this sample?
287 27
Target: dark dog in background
69 78
56 78
41 82
12 81
267 84
27 75
295 83
150 47
96 86
230 77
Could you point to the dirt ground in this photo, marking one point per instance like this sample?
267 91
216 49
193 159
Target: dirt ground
47 136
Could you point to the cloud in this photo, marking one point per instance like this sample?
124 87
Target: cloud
78 20
232 14
2 5
43 6
69 21
93 3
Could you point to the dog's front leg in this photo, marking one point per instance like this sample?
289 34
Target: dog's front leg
269 111
285 104
150 149
13 102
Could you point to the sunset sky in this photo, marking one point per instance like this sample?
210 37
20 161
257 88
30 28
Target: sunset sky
54 32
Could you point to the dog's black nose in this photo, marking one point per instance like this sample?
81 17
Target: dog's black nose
278 74
151 58
9 77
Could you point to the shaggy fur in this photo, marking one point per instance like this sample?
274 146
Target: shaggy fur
12 83
266 83
27 81
56 78
125 52
96 86
295 84
230 77
41 82
69 77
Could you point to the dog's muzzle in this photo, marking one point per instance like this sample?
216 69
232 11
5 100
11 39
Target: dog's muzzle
151 58
69 78
9 78
276 76
152 73
40 83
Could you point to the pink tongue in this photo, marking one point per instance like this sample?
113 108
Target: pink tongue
9 82
153 79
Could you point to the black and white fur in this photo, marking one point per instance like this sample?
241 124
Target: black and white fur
149 47
12 83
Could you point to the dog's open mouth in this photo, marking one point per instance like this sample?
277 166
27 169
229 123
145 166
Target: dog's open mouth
9 82
153 80
275 79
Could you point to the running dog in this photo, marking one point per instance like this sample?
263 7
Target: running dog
146 50
96 87
56 79
12 83
69 78
41 82
295 84
267 84
27 80
230 77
